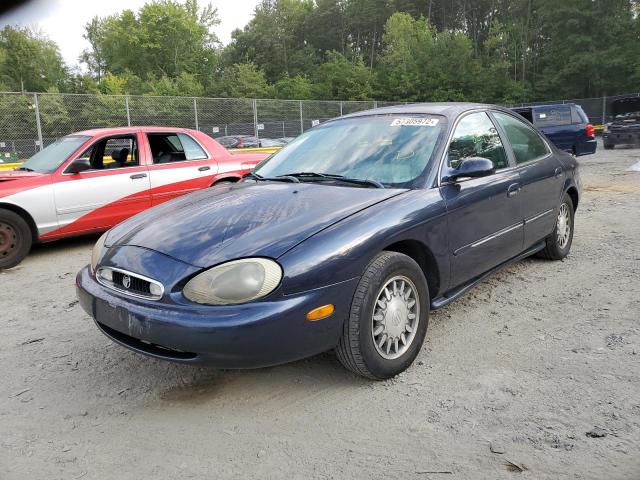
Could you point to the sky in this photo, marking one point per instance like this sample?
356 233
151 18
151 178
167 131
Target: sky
63 20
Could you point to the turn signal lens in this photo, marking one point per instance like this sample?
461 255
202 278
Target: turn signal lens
320 313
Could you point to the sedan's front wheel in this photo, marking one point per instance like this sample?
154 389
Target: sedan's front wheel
388 319
15 239
559 242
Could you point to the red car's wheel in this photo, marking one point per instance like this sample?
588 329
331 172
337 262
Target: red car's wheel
15 239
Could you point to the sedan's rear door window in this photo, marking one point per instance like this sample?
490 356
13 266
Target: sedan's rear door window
526 142
174 147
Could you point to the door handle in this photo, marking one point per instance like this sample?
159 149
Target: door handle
558 172
513 190
204 169
137 176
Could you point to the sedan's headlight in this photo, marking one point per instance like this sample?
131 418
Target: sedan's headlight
98 252
239 281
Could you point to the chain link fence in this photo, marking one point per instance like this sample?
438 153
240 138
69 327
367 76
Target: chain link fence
31 121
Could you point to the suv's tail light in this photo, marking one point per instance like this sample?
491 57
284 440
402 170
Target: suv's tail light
591 131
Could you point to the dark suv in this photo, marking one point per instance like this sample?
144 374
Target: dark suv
566 125
625 128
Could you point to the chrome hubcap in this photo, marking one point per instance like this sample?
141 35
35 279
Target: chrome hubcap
395 317
8 239
563 228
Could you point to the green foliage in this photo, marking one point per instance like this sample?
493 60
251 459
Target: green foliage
163 39
28 61
298 87
396 50
245 80
340 79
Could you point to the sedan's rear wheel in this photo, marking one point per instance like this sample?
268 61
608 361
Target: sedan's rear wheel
559 242
15 239
388 318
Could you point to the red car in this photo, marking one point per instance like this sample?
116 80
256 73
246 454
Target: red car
89 181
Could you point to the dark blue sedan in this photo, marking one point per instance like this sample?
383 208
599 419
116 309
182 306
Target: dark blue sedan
345 239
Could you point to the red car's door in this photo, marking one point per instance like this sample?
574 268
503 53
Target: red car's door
115 187
178 164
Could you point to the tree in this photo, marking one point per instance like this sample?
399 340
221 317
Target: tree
29 61
340 79
164 38
245 80
297 88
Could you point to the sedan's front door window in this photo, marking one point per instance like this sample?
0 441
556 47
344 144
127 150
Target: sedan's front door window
525 141
476 136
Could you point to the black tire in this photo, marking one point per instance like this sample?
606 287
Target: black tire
356 349
223 182
15 239
608 146
553 249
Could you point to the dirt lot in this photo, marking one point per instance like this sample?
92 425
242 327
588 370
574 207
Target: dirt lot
527 363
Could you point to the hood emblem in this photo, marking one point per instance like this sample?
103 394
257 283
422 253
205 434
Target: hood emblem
126 281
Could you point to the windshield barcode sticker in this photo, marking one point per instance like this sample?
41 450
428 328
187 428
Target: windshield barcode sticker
414 122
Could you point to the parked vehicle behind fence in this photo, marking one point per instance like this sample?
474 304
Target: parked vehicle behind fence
625 127
566 125
89 181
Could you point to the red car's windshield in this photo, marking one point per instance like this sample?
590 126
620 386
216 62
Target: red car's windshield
50 158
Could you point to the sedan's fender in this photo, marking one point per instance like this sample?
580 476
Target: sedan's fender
36 202
343 250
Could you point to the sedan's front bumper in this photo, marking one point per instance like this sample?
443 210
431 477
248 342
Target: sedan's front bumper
252 335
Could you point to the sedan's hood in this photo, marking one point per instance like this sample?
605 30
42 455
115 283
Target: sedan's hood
246 219
8 175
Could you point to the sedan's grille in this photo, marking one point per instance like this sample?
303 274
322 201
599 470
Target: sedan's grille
130 283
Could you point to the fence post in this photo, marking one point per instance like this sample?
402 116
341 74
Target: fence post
36 106
126 105
283 132
255 118
340 107
604 109
375 104
195 112
301 119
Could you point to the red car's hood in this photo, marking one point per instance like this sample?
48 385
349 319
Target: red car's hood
8 175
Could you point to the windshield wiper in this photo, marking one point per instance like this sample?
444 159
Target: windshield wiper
339 178
25 169
279 178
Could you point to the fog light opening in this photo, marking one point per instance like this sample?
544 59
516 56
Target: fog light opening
320 313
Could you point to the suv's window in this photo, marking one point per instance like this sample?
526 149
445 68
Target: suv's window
112 152
526 143
553 116
174 147
476 136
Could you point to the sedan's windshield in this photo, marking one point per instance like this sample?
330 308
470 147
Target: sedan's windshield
50 158
390 151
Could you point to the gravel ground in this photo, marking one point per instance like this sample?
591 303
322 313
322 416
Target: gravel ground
540 362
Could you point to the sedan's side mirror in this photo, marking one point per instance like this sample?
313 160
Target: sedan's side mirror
78 166
472 167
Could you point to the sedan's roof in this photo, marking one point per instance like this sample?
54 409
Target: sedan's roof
130 130
447 109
